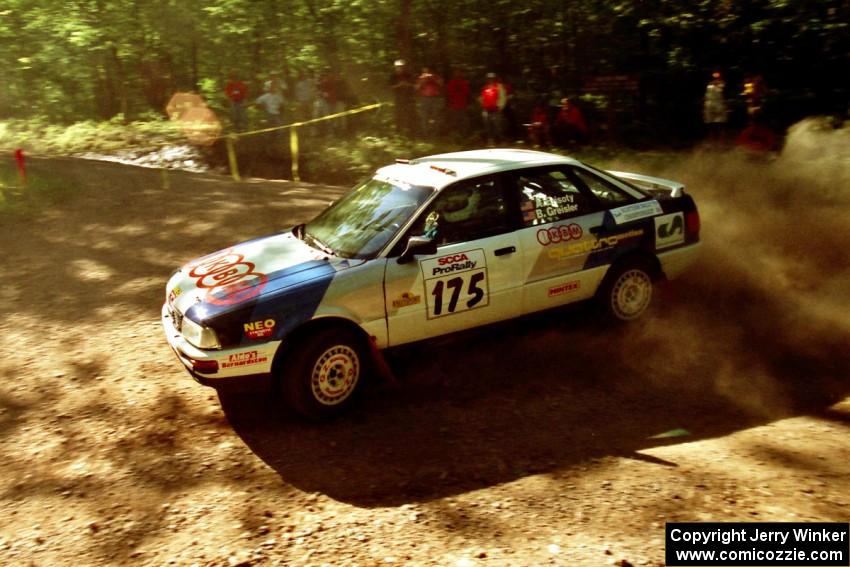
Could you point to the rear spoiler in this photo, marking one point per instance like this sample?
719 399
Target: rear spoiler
652 183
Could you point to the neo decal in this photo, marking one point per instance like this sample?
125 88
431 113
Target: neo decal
259 329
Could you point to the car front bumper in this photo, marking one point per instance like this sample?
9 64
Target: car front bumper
210 366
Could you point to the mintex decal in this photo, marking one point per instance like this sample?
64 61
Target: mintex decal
244 359
636 211
594 245
406 299
175 293
559 233
455 283
259 329
669 230
564 288
227 278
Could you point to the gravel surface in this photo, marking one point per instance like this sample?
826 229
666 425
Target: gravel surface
550 440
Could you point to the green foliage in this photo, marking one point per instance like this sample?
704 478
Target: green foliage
96 59
41 137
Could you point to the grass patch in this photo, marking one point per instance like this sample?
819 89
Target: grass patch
40 137
18 199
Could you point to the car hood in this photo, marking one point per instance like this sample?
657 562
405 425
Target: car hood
242 273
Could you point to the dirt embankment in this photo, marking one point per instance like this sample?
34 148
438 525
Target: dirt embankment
546 441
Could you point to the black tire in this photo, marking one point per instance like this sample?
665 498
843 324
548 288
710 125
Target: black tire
626 292
322 374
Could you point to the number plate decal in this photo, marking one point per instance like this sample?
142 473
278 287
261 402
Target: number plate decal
455 283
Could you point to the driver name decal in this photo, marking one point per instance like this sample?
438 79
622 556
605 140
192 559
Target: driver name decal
455 283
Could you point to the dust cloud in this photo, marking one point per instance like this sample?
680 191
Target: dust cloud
763 319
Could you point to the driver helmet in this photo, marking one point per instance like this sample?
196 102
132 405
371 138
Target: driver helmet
460 204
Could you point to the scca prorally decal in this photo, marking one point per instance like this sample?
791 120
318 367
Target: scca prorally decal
564 288
559 233
455 283
259 329
453 263
227 278
244 359
587 246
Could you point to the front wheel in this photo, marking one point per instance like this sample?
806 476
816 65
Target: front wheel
322 374
627 290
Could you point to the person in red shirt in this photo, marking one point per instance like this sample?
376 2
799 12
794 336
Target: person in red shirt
569 124
237 93
494 97
430 89
538 129
457 102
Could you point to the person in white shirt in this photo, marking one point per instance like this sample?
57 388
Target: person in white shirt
272 101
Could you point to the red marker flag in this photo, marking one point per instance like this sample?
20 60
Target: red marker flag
22 166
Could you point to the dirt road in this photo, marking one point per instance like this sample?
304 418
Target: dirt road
546 441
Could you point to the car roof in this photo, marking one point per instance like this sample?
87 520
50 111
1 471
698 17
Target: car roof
440 170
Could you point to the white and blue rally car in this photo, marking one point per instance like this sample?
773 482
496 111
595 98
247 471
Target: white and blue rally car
425 247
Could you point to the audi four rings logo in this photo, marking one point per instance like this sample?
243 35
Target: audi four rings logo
232 279
559 233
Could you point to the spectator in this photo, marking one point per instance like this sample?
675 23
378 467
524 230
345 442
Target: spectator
757 137
305 95
539 128
570 126
272 103
754 93
404 89
714 113
429 86
457 101
237 93
328 101
494 97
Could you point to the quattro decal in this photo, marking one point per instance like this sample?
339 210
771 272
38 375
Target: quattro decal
594 245
669 230
455 283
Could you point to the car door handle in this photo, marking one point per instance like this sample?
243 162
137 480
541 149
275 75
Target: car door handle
506 250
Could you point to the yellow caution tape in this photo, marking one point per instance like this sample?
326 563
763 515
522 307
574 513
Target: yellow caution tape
293 137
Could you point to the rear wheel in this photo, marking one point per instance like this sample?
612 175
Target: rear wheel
627 290
323 372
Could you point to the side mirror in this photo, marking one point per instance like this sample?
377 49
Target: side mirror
417 245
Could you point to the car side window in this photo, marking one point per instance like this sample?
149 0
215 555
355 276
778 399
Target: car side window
547 196
468 210
607 193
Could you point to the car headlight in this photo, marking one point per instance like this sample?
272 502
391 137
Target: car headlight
199 335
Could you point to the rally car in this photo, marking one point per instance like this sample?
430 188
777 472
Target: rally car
423 248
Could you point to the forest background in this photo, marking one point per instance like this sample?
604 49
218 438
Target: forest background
121 60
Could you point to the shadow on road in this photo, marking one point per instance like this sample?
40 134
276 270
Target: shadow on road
548 394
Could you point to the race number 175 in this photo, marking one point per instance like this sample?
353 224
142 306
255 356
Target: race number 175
457 293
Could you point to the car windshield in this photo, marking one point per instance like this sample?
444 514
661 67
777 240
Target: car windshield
361 223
